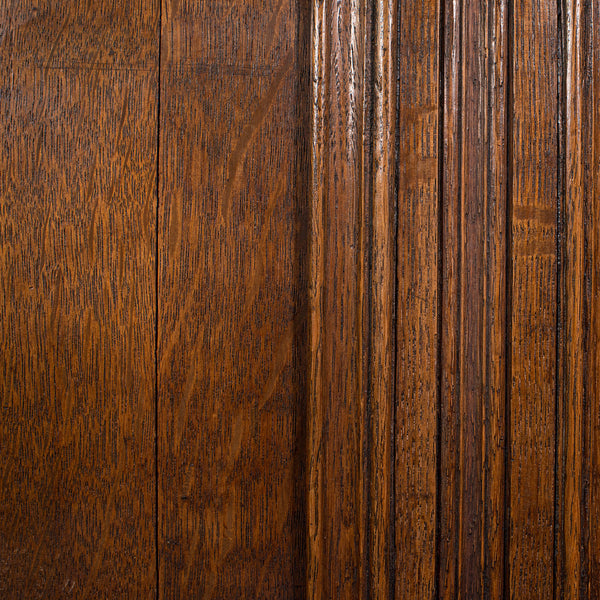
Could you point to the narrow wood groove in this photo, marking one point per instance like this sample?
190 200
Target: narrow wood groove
558 558
156 318
440 291
587 167
459 302
366 220
508 296
396 282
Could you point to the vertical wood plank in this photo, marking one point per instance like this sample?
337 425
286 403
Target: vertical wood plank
316 552
577 531
534 188
354 62
381 290
473 307
336 426
77 225
449 356
232 314
417 300
570 443
496 342
473 289
593 302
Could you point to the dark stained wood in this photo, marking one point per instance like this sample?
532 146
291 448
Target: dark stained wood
352 293
78 104
416 413
534 196
496 343
381 291
592 252
336 432
370 367
448 484
570 442
232 308
471 497
577 574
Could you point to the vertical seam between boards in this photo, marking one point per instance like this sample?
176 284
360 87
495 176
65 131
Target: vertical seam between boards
156 308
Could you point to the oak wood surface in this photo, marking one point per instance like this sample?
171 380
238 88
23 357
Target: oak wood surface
78 104
471 493
591 487
416 410
231 305
336 492
532 299
299 299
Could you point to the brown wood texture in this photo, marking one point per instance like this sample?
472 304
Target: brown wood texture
352 294
471 494
232 311
416 405
534 184
336 490
78 105
591 188
577 574
300 299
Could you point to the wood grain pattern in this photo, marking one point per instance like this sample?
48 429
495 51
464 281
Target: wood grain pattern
299 299
416 426
381 292
448 482
231 371
78 103
336 494
570 442
577 552
471 494
534 196
591 496
352 290
496 342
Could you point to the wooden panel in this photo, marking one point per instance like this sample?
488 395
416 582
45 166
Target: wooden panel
570 442
232 313
495 343
374 342
534 185
352 289
381 293
417 300
448 491
577 574
471 492
77 225
336 442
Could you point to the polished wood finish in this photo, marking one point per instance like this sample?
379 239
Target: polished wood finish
300 299
532 296
336 419
232 310
473 340
417 239
78 106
